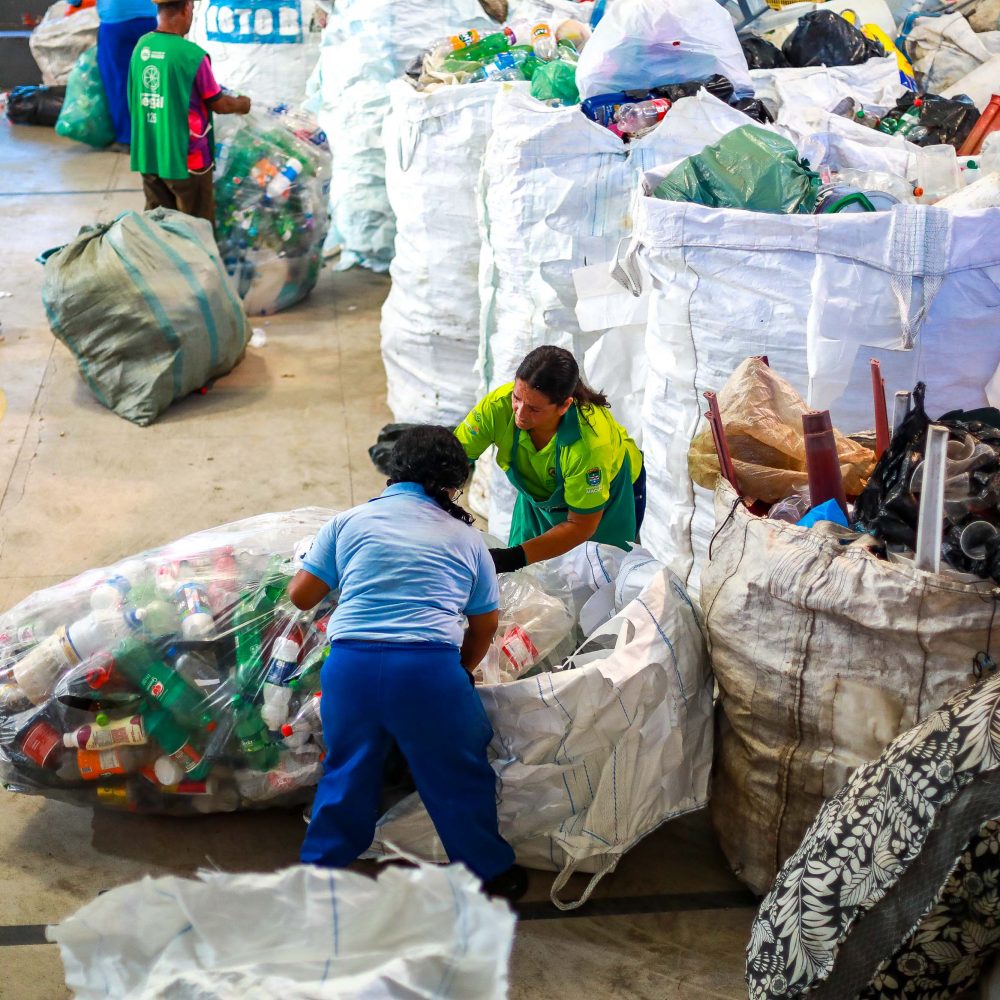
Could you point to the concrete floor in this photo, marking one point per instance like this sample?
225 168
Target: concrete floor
80 487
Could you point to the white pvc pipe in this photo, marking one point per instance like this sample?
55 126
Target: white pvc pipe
931 522
900 409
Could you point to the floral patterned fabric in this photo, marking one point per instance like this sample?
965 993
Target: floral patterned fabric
860 844
944 955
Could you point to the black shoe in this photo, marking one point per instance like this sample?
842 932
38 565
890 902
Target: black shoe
511 884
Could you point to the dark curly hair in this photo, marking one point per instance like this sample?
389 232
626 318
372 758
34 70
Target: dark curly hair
433 457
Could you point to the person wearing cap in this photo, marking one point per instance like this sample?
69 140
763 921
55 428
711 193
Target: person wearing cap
172 96
578 474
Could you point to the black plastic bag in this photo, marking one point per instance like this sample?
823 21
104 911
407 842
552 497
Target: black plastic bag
755 109
35 105
890 510
761 54
823 38
717 85
942 119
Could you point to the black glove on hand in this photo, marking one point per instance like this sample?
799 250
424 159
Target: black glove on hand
509 560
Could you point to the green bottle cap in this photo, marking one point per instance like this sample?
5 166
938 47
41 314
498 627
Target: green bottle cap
102 718
972 165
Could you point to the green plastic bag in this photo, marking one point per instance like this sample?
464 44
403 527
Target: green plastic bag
146 308
556 80
748 168
85 116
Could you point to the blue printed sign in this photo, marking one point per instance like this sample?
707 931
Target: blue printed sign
254 22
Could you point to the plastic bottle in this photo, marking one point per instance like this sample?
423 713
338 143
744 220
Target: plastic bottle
903 123
537 34
502 67
174 741
158 618
279 185
632 119
792 509
454 43
40 742
195 612
289 771
201 670
481 50
92 765
162 685
575 32
305 723
127 731
36 673
110 593
101 631
284 659
224 588
938 173
822 462
259 752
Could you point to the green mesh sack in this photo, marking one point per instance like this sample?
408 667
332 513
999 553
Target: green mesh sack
750 168
85 116
556 80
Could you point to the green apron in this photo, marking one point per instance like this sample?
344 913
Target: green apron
534 517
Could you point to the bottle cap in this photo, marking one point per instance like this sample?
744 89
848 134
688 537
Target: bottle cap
101 718
167 771
287 730
69 740
972 165
918 192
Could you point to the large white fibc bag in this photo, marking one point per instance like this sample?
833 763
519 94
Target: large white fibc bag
917 288
434 144
366 45
265 49
591 759
60 39
643 43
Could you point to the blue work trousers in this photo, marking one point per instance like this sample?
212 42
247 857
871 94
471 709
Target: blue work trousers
115 42
418 694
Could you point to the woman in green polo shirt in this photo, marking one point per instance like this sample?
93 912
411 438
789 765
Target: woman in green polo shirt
578 475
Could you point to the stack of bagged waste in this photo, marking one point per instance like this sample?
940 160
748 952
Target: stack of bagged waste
182 680
272 179
34 105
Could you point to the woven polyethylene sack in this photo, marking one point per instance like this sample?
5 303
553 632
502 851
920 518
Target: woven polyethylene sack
146 308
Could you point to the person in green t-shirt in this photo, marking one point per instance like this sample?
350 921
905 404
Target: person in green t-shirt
579 475
172 95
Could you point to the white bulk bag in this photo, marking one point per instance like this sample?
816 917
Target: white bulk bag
944 49
434 144
265 49
300 932
643 43
917 287
60 38
366 45
591 759
557 190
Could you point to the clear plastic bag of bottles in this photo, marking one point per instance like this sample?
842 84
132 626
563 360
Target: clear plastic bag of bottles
181 680
272 180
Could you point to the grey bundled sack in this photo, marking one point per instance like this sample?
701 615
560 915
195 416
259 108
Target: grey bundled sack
147 310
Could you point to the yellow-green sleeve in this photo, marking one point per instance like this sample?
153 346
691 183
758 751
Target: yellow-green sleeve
476 431
587 480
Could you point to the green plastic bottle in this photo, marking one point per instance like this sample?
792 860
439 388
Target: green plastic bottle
258 750
162 685
175 742
483 50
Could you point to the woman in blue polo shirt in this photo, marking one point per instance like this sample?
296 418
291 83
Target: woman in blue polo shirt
409 568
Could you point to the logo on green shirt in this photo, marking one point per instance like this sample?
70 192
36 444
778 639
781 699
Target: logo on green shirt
594 477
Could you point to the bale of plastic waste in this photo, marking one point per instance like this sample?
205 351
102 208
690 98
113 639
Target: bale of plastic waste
762 415
85 116
35 105
59 40
892 891
144 306
271 189
823 652
182 680
225 935
748 168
